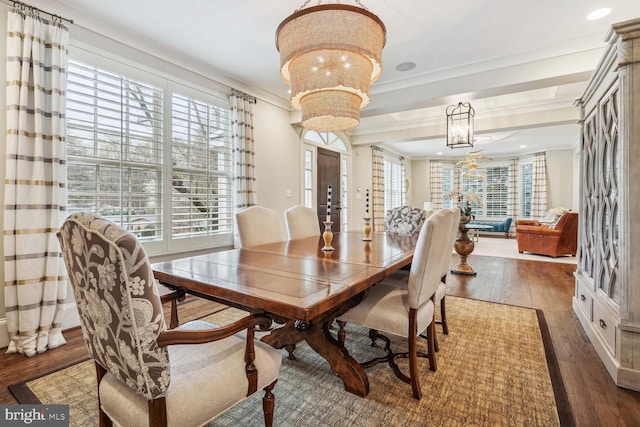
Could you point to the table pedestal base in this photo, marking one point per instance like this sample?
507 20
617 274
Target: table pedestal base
316 333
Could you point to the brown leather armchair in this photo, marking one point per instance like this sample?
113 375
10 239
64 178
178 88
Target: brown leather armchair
541 239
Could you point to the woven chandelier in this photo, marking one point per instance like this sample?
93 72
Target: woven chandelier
329 55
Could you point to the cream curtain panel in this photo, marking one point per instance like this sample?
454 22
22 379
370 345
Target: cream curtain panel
512 190
377 190
243 146
539 186
435 184
35 182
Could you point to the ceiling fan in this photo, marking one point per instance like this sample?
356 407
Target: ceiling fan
470 167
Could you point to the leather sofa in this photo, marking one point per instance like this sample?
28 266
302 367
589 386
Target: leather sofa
537 238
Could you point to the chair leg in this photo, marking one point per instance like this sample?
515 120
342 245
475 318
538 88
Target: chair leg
431 333
157 412
413 354
443 316
268 404
103 419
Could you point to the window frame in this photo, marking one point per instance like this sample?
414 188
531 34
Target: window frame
123 67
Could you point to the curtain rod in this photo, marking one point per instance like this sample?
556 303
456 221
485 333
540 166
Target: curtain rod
27 7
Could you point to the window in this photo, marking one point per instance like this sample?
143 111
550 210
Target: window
394 184
493 189
155 162
496 191
308 178
447 185
526 189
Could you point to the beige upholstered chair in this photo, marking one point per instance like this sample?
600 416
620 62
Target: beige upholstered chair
148 375
258 225
407 312
400 277
301 222
405 220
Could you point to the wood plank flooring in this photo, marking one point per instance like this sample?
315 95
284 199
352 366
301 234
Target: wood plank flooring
594 398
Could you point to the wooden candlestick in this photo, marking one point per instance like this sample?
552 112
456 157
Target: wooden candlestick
327 236
367 230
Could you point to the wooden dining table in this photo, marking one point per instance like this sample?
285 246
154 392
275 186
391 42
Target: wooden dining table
301 287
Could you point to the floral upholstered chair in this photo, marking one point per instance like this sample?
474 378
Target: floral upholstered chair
405 220
148 375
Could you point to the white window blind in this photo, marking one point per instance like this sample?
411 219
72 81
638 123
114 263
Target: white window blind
308 178
496 192
114 147
394 190
201 168
156 162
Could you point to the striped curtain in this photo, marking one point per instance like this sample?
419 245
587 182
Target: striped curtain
243 148
35 182
539 186
377 190
435 184
512 189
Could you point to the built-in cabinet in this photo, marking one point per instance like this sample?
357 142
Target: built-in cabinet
607 298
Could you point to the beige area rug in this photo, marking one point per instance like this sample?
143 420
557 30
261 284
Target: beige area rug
493 370
508 248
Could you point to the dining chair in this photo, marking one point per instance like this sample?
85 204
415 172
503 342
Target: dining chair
258 225
301 222
404 220
400 278
406 311
148 375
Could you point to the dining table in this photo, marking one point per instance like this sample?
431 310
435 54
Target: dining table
300 286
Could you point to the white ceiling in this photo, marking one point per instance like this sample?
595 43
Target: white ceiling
520 64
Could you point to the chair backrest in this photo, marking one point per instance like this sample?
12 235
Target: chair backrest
118 302
431 250
301 222
405 220
453 233
258 225
568 223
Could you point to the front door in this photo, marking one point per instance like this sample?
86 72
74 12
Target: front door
329 175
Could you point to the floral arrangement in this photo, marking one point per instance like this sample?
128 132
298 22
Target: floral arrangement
464 200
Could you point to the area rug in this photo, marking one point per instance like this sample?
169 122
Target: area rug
496 367
508 248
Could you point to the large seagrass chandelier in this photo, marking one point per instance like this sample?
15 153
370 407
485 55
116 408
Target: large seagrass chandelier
329 55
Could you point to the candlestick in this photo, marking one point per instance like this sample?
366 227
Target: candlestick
327 236
367 229
366 210
328 203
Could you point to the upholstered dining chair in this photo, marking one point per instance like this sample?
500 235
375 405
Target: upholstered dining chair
301 222
258 225
148 375
400 278
407 311
405 220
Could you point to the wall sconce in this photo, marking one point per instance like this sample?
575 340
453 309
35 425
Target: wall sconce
460 125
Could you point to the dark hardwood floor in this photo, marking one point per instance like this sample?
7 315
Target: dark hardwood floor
594 398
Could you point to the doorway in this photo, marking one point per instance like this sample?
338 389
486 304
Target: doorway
329 175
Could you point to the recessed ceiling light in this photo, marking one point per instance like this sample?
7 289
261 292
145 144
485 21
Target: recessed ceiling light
523 146
439 153
598 13
406 66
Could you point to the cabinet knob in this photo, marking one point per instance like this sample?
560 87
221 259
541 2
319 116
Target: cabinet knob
603 324
582 298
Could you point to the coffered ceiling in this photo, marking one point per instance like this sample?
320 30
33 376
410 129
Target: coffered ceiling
520 64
